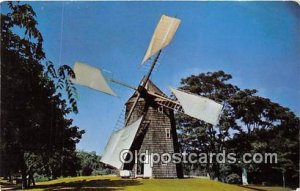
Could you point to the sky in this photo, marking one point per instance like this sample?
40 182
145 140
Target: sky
258 43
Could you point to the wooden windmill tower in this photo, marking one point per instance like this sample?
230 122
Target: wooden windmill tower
149 118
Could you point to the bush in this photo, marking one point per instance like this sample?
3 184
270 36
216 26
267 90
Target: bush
40 178
87 171
99 172
233 179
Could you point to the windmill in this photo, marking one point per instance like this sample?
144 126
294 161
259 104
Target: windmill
149 116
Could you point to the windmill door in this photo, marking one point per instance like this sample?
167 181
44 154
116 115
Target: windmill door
148 167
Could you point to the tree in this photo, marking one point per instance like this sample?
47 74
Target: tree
199 137
89 163
270 128
36 136
249 124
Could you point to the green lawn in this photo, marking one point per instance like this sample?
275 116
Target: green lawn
110 183
269 188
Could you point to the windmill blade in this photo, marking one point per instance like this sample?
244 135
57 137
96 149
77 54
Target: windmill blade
162 36
91 77
141 87
119 141
122 83
199 107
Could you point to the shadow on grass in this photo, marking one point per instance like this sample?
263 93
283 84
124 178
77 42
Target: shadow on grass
268 188
92 185
249 187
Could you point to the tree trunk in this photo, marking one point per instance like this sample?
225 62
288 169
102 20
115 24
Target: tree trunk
283 179
31 179
33 182
216 171
24 180
9 178
24 174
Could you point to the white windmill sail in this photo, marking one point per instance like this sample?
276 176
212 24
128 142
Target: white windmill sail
91 77
199 107
162 36
110 146
119 140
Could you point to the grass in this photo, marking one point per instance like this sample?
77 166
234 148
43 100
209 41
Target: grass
111 183
269 188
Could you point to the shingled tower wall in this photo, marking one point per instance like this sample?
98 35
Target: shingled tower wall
152 134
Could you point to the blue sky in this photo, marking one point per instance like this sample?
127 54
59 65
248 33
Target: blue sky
257 42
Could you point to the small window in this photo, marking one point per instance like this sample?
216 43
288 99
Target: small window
168 133
160 109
